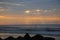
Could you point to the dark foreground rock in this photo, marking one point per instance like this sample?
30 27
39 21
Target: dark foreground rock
38 37
49 38
27 37
19 38
10 38
1 39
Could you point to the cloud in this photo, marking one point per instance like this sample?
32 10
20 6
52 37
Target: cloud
12 4
10 7
19 4
2 9
50 10
45 11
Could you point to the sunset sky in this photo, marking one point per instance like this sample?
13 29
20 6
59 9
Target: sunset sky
29 12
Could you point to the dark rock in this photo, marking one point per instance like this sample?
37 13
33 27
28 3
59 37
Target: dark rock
38 37
49 38
27 37
10 38
19 38
1 39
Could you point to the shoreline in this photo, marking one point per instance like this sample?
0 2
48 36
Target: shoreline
5 35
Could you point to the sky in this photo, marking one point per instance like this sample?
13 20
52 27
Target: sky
29 12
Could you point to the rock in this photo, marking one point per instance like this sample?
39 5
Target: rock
10 38
38 37
49 38
19 38
27 37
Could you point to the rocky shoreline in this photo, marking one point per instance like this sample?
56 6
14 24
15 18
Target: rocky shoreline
28 37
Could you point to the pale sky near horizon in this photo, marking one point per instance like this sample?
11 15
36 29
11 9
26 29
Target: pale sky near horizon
29 12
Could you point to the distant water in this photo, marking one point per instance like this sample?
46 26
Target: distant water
44 29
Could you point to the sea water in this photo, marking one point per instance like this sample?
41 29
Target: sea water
52 30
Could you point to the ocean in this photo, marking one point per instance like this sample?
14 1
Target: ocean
51 30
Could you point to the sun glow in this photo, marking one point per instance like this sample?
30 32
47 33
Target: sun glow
27 11
2 16
38 10
28 19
